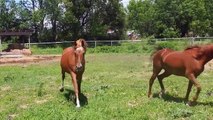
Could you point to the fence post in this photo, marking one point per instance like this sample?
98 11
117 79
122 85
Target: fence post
111 42
192 41
95 43
0 45
28 42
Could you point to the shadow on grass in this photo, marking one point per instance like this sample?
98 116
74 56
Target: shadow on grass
70 96
169 98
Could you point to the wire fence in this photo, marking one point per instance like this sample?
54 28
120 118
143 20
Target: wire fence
95 43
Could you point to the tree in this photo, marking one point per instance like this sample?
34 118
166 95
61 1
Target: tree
209 17
141 15
7 15
31 15
55 20
166 18
107 16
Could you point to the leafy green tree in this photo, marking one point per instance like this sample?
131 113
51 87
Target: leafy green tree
107 16
7 15
31 14
91 18
166 18
209 17
141 15
53 14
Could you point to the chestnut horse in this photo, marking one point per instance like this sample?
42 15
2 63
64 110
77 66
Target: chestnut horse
188 63
73 63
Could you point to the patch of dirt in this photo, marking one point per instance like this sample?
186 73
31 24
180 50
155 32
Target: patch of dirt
28 59
24 106
209 65
6 88
11 116
41 101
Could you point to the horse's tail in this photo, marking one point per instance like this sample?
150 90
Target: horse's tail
156 50
152 55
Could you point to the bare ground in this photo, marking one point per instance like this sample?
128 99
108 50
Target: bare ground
28 59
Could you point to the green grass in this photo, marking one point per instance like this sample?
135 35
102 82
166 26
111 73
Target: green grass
114 87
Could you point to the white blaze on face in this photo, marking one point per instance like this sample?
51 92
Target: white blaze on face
80 49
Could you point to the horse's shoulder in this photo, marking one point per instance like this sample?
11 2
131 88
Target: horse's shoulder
68 50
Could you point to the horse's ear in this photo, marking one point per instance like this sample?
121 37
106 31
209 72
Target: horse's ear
84 43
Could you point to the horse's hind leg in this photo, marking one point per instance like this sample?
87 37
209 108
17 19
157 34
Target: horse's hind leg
160 79
156 71
62 81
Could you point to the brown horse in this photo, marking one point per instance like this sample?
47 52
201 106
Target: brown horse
188 63
73 63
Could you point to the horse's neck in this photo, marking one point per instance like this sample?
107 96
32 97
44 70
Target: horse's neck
207 56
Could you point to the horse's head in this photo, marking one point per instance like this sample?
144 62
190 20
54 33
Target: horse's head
204 53
80 50
208 51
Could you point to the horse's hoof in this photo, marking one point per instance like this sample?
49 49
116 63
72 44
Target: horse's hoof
190 103
78 106
150 96
61 89
161 94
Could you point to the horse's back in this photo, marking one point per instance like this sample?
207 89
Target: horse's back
176 62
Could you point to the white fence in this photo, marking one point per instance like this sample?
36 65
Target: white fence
95 43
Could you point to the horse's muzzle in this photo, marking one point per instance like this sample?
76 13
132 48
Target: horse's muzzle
79 68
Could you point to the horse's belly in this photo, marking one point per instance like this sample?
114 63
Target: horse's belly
176 68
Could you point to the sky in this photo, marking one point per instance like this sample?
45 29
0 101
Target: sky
125 2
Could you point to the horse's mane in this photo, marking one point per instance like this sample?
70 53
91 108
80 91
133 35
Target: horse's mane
195 51
192 47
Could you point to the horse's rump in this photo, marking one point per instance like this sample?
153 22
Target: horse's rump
160 53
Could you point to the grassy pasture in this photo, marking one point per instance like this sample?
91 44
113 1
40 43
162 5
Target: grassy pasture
114 88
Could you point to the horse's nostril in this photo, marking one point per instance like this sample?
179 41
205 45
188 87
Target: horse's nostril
78 68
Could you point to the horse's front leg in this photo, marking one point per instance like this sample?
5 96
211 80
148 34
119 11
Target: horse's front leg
188 91
62 81
193 79
79 79
76 89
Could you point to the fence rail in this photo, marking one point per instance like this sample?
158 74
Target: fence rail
96 43
93 43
